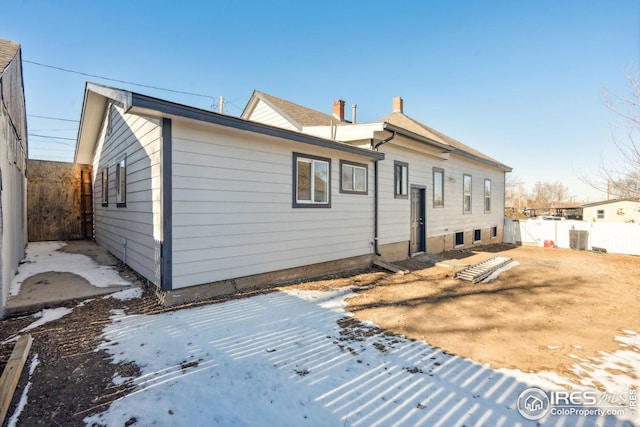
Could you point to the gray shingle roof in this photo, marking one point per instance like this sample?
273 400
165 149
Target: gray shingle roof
302 115
8 51
406 122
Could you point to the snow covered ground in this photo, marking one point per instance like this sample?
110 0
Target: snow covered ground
42 257
292 359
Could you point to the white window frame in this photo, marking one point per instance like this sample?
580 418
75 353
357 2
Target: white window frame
466 207
440 172
314 161
455 239
604 214
487 196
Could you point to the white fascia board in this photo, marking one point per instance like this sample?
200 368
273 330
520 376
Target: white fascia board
412 145
357 132
319 131
345 133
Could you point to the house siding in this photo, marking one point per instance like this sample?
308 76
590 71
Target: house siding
132 233
13 181
615 211
441 222
263 113
232 207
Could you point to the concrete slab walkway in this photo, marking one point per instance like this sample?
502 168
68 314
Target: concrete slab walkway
56 272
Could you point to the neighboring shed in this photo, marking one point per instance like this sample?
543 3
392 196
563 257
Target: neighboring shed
13 156
620 210
189 197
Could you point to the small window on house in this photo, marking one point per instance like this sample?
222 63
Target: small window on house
121 183
438 187
105 187
494 232
487 195
401 179
459 238
312 183
466 191
600 214
477 235
353 178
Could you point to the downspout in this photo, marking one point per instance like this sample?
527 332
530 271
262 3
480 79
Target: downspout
375 193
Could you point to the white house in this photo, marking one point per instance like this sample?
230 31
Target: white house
620 210
13 159
188 197
432 192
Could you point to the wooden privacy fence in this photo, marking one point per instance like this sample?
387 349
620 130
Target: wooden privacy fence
59 201
617 238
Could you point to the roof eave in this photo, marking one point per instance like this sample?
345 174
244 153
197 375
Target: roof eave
402 131
470 156
144 104
605 202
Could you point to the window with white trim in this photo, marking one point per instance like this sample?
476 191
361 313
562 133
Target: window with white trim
438 187
401 180
477 235
466 193
487 195
459 238
353 177
494 232
601 214
312 181
121 183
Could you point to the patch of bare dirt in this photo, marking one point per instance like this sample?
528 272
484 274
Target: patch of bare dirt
556 302
71 380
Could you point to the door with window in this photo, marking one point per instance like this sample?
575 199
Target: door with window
417 243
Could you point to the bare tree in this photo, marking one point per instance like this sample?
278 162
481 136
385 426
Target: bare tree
547 194
514 193
620 178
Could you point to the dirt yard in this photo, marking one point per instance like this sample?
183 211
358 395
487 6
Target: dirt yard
556 302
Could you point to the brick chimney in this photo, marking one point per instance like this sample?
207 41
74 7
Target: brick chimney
397 104
338 109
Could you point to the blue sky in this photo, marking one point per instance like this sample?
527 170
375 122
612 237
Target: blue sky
522 81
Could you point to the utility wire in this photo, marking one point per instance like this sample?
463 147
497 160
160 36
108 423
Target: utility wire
53 118
52 137
120 81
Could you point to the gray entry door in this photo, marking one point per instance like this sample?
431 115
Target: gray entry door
417 220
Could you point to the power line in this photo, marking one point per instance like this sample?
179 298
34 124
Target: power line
53 118
120 81
51 137
54 130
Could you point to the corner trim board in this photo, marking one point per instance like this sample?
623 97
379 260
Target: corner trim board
166 266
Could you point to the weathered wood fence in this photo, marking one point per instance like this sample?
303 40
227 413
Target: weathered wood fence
618 238
59 202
